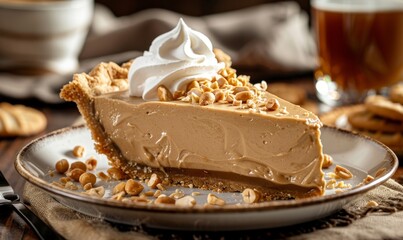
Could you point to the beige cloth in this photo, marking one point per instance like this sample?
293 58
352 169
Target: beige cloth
354 221
274 38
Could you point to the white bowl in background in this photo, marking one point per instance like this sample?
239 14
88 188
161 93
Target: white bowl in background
43 36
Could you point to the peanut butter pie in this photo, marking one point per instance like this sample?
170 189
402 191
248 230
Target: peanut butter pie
182 112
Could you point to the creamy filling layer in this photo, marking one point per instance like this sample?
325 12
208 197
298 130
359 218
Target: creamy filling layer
279 148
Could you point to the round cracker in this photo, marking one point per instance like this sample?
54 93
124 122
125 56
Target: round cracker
396 93
19 120
330 118
365 120
382 106
393 140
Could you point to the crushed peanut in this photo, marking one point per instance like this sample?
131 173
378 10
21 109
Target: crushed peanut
331 184
327 161
186 201
118 196
237 103
222 82
219 95
222 57
149 193
342 172
78 164
120 187
332 175
368 179
164 94
237 90
193 84
206 98
272 104
160 187
87 178
157 193
372 203
225 88
195 99
70 186
164 200
154 181
243 96
250 195
62 166
97 192
178 94
214 200
263 85
78 151
116 173
103 176
177 194
64 180
91 163
195 91
250 103
75 174
87 186
342 184
133 188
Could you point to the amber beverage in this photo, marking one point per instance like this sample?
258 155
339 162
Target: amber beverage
360 47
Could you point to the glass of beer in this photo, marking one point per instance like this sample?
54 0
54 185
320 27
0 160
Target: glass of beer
360 48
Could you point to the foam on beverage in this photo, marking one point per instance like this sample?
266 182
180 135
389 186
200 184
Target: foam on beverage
358 5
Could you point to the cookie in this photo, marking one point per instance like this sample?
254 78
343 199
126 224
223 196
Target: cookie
365 120
332 117
19 120
340 117
383 107
288 92
396 93
393 140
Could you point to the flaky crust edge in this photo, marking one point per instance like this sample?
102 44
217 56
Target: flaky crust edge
82 90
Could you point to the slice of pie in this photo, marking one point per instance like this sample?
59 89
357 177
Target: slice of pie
194 125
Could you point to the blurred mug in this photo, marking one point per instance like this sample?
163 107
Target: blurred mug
40 36
360 47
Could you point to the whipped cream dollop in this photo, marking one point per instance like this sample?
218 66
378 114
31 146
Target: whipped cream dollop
174 59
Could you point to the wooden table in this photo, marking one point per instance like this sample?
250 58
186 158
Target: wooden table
11 225
59 116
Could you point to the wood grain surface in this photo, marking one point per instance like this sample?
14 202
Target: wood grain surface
11 225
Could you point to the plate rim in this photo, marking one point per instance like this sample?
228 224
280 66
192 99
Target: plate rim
230 208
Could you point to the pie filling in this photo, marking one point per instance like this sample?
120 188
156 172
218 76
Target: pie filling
279 155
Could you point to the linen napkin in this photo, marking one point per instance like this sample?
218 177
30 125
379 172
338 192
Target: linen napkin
354 221
273 38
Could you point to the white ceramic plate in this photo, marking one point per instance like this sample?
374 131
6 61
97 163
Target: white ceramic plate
361 155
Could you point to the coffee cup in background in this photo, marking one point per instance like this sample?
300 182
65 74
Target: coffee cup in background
360 47
42 36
